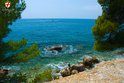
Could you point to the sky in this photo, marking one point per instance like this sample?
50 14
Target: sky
81 9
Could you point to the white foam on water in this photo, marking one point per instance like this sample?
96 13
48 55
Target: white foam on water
67 49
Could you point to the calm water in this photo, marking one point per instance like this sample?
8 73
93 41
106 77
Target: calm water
75 33
45 32
53 31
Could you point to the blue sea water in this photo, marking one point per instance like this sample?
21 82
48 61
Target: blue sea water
45 32
75 33
53 31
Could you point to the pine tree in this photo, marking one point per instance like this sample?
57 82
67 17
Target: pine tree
14 51
109 28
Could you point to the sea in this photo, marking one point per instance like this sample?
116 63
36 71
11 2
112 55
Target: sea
75 34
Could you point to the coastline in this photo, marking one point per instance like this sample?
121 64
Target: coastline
104 72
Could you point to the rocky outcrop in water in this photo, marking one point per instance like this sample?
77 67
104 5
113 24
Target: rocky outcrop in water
56 48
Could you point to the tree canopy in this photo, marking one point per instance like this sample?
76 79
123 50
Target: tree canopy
14 51
109 28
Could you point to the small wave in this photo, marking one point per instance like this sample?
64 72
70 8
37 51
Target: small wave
66 49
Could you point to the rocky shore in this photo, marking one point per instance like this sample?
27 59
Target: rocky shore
88 62
104 72
89 69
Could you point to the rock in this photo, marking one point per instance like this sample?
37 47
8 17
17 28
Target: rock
57 70
74 72
72 69
95 60
55 48
78 67
65 72
56 76
88 62
4 72
120 53
104 72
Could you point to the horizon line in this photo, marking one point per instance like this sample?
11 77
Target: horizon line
61 18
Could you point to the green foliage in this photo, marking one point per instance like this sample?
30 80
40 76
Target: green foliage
44 76
38 76
24 55
104 26
14 51
116 10
103 46
7 16
107 30
15 78
14 45
101 1
18 77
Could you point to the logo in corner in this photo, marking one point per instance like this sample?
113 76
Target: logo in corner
7 4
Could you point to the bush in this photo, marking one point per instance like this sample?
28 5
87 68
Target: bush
44 76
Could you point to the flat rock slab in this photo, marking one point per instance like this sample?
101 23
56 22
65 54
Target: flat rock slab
104 72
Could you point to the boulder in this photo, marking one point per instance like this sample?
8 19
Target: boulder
78 67
120 53
88 62
65 72
95 60
4 72
55 48
74 72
